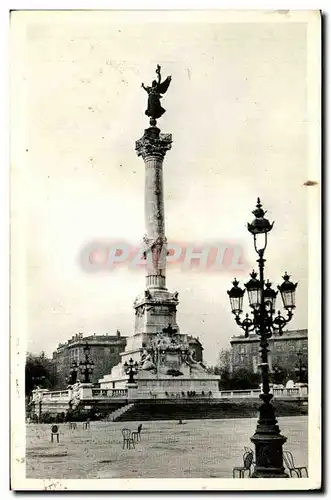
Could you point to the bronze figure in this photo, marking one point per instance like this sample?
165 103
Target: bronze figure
154 109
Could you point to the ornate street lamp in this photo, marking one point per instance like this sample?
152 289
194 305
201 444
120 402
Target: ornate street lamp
131 369
263 320
300 368
40 407
287 290
270 297
236 295
73 372
86 367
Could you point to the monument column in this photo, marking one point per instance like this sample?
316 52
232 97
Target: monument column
153 147
155 308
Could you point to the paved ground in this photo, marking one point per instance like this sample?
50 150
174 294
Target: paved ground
198 449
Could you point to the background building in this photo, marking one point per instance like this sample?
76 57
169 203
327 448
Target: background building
104 352
283 354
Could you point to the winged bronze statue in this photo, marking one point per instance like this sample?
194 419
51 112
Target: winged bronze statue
154 109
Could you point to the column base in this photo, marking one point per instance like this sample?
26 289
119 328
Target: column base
85 390
268 443
269 455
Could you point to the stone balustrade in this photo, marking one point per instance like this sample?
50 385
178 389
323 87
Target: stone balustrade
85 393
246 393
45 395
88 392
109 393
301 391
56 395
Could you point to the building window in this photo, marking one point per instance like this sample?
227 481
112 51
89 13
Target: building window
255 360
242 348
270 361
255 348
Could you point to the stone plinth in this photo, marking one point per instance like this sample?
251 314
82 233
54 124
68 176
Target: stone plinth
39 394
151 385
132 390
154 310
85 391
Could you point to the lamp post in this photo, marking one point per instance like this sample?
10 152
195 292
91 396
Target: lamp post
73 372
131 369
40 406
265 322
300 368
86 367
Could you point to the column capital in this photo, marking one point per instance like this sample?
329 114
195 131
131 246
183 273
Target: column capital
153 143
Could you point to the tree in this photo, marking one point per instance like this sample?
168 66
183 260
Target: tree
39 371
223 368
232 380
244 379
279 375
224 360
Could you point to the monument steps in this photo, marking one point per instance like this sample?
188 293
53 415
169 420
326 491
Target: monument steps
194 410
120 412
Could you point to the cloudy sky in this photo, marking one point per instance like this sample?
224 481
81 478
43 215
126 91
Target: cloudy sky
237 110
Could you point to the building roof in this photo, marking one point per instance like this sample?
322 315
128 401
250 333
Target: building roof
79 338
287 335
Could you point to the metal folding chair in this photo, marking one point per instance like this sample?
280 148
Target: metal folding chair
136 435
127 439
55 432
290 465
247 464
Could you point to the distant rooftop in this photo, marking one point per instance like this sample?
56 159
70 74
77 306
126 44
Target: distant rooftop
80 337
302 333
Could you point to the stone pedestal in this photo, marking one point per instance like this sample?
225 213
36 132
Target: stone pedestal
132 390
38 394
70 392
268 443
85 391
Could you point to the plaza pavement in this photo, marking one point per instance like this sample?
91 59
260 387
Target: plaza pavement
196 449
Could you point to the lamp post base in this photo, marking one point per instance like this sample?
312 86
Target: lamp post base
268 443
269 456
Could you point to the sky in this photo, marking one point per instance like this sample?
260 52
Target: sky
237 111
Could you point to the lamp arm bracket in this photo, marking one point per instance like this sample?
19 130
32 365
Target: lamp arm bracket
248 324
279 322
